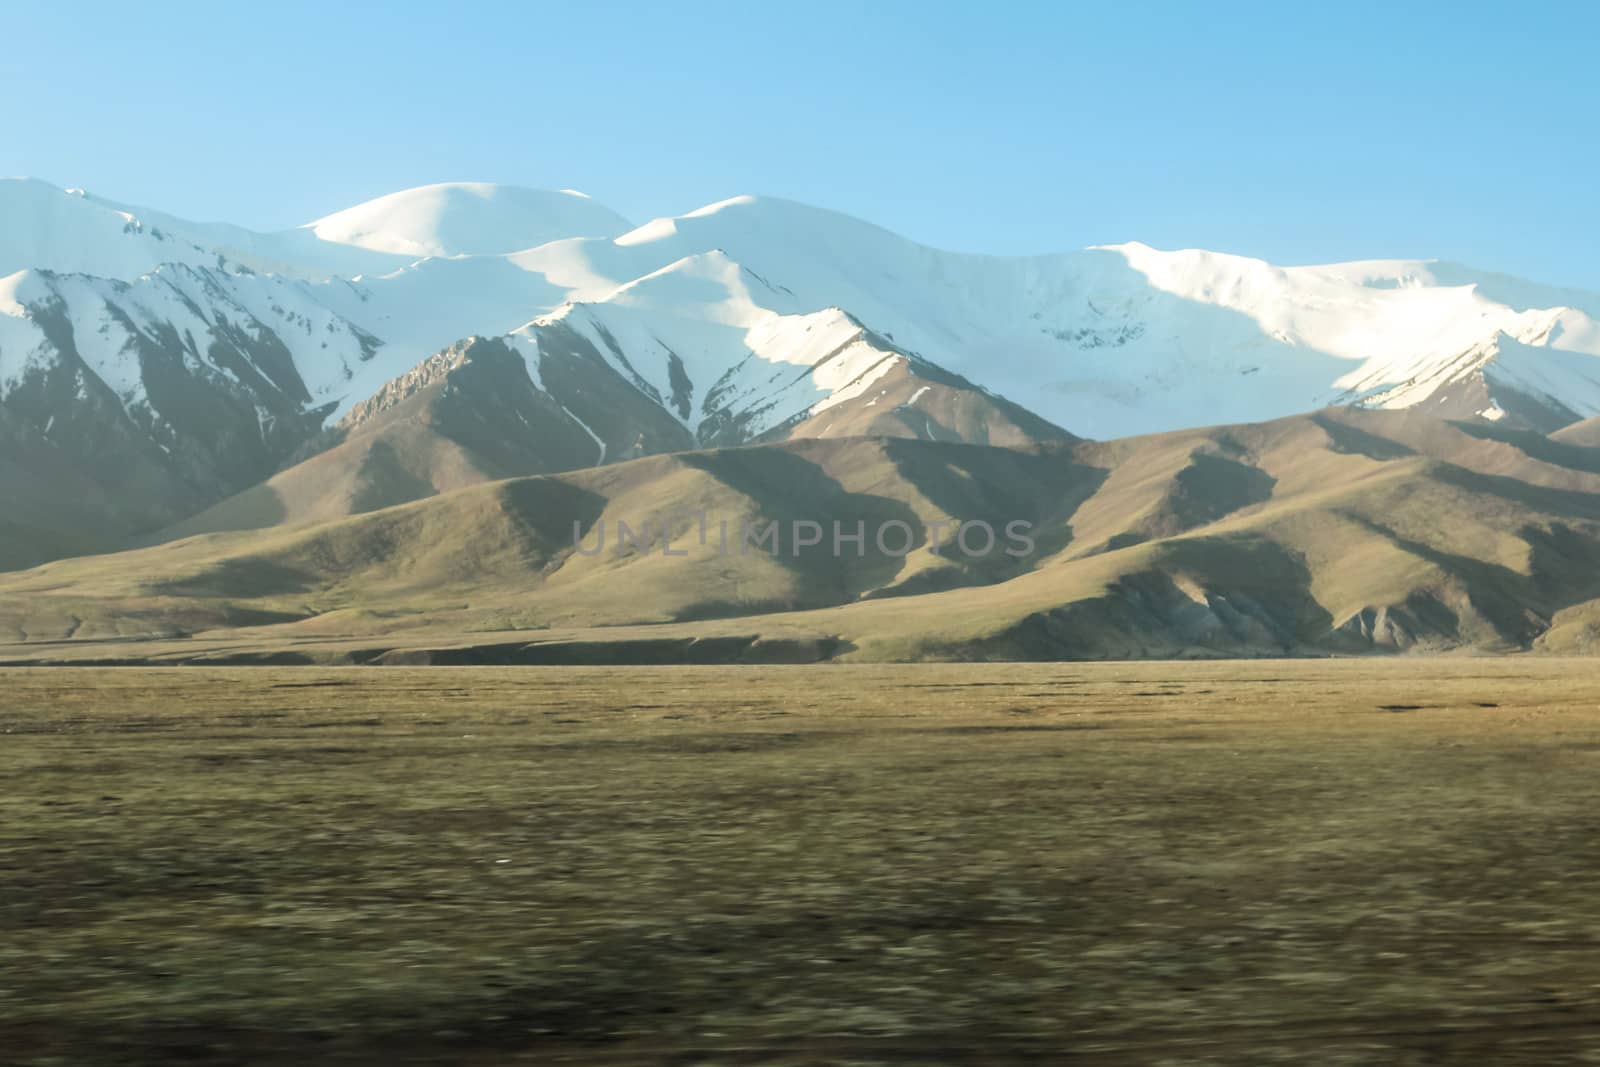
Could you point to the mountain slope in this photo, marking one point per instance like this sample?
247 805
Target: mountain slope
548 400
1339 532
188 367
476 412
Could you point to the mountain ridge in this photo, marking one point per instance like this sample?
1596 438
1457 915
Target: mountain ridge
225 358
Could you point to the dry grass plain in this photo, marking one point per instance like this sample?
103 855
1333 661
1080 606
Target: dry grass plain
1233 862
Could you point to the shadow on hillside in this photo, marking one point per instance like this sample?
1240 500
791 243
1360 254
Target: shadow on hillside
1239 595
1537 445
787 488
1348 439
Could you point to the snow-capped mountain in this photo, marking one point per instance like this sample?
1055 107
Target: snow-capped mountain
223 355
1127 339
467 219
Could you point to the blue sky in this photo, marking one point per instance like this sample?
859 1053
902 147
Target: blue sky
1343 131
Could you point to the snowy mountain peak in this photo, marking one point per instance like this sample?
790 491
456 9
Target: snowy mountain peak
468 218
49 228
748 318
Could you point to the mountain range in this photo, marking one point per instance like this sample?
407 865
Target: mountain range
373 436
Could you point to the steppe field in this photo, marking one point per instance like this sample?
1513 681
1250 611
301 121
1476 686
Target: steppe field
1367 861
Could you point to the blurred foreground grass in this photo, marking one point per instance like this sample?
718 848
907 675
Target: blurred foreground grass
1277 862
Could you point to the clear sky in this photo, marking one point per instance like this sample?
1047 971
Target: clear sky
1296 132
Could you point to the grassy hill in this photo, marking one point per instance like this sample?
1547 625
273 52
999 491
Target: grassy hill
1343 531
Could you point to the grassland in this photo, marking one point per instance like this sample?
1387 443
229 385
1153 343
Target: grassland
1245 862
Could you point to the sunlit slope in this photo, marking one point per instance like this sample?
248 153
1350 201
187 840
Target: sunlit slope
1341 531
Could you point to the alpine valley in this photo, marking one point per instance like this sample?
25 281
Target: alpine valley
372 439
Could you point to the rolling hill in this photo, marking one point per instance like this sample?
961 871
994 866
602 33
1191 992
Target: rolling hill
1339 532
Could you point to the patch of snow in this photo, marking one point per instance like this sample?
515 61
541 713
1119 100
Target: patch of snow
596 437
